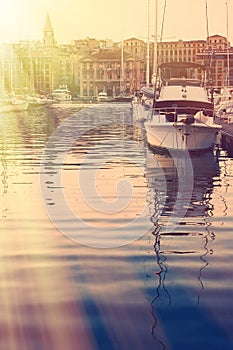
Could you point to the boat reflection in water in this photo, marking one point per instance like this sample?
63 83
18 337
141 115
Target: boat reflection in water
180 190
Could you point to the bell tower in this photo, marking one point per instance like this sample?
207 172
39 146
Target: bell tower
48 37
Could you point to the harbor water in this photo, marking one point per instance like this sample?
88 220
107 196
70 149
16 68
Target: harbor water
107 244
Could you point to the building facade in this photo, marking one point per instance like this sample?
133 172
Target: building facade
90 66
107 71
214 53
217 56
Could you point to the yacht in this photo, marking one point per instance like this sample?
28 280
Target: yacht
13 105
61 94
102 97
182 117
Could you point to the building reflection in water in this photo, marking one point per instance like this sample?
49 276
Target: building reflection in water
181 251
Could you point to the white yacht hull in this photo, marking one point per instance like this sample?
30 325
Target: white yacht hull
61 97
178 136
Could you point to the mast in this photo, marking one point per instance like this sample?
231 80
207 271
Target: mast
228 53
148 47
155 63
122 68
209 72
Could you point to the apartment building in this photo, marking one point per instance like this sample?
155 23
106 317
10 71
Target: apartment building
217 56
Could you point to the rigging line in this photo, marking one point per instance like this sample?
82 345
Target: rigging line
164 138
164 11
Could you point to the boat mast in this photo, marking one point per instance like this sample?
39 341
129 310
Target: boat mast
122 68
155 63
228 53
148 47
209 72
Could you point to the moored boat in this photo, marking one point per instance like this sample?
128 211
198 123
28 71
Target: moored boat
13 105
224 112
148 95
61 94
35 101
102 97
122 98
182 117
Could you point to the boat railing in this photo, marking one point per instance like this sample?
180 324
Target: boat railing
176 109
172 113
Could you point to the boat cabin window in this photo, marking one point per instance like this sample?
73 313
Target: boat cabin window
183 82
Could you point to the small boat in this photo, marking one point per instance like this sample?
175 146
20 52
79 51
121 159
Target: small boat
61 94
182 117
13 105
225 95
122 98
35 102
102 97
148 96
224 112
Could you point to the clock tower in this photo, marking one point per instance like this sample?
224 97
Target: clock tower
48 37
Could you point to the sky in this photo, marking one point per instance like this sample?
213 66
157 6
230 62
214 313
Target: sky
114 19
